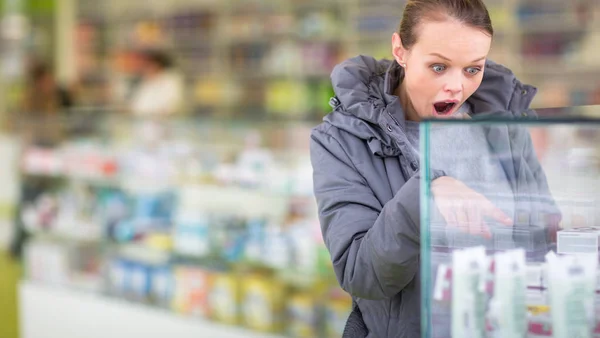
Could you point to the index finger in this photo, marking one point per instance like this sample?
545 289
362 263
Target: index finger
497 214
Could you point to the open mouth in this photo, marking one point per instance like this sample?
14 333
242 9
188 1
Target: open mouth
444 107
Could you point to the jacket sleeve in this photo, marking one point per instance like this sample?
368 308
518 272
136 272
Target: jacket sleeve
554 215
374 247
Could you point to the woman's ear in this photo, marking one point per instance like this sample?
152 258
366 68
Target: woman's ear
398 50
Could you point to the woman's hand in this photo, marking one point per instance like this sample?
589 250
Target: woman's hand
464 208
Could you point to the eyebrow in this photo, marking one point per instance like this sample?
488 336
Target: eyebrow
445 58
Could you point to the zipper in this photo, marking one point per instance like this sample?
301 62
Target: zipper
393 118
413 164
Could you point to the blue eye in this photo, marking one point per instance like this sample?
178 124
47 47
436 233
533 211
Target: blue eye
438 68
473 70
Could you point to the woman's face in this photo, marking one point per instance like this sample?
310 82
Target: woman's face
442 69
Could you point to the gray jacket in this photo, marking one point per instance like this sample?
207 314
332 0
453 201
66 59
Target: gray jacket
367 180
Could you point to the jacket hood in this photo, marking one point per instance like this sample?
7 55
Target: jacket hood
363 101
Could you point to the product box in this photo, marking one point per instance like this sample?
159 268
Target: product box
117 271
48 263
443 284
223 298
533 239
578 240
191 236
162 285
262 303
536 300
301 321
139 281
337 310
190 294
534 275
540 326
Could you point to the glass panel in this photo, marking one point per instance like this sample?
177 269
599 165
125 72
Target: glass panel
500 199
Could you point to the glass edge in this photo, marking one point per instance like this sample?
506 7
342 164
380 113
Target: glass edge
425 239
519 121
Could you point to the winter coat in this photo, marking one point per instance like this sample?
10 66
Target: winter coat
367 186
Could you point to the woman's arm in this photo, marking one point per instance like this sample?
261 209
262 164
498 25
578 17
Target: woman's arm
374 247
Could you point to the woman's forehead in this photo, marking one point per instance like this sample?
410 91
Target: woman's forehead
452 39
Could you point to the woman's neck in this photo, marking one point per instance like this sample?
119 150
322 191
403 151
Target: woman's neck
409 111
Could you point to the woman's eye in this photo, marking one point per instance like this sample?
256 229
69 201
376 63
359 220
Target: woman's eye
438 68
473 70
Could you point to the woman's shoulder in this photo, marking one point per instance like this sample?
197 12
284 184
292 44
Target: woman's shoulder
329 132
360 67
501 90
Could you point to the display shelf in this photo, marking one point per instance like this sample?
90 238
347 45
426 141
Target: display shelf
58 312
554 25
557 66
67 237
355 27
194 200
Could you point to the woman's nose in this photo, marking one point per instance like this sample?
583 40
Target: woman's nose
454 85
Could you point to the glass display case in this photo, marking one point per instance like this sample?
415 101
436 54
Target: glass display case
510 225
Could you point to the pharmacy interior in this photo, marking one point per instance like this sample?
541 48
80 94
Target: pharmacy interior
203 223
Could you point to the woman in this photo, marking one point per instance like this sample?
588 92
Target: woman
160 91
365 157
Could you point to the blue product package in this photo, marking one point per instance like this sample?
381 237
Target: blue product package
114 208
118 276
162 284
236 240
145 206
124 231
139 282
200 235
155 208
256 239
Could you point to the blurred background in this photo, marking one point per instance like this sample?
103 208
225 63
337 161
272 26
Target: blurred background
155 166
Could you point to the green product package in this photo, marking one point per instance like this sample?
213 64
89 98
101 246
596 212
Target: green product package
572 282
469 269
508 308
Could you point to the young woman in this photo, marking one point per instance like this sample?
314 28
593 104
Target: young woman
365 157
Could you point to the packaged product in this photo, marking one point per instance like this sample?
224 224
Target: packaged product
223 297
442 291
469 268
161 285
190 291
255 243
262 303
277 250
508 306
191 237
301 321
539 323
578 240
139 281
337 310
572 283
117 276
534 275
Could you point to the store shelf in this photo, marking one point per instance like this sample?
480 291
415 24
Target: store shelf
70 236
556 24
52 312
554 65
